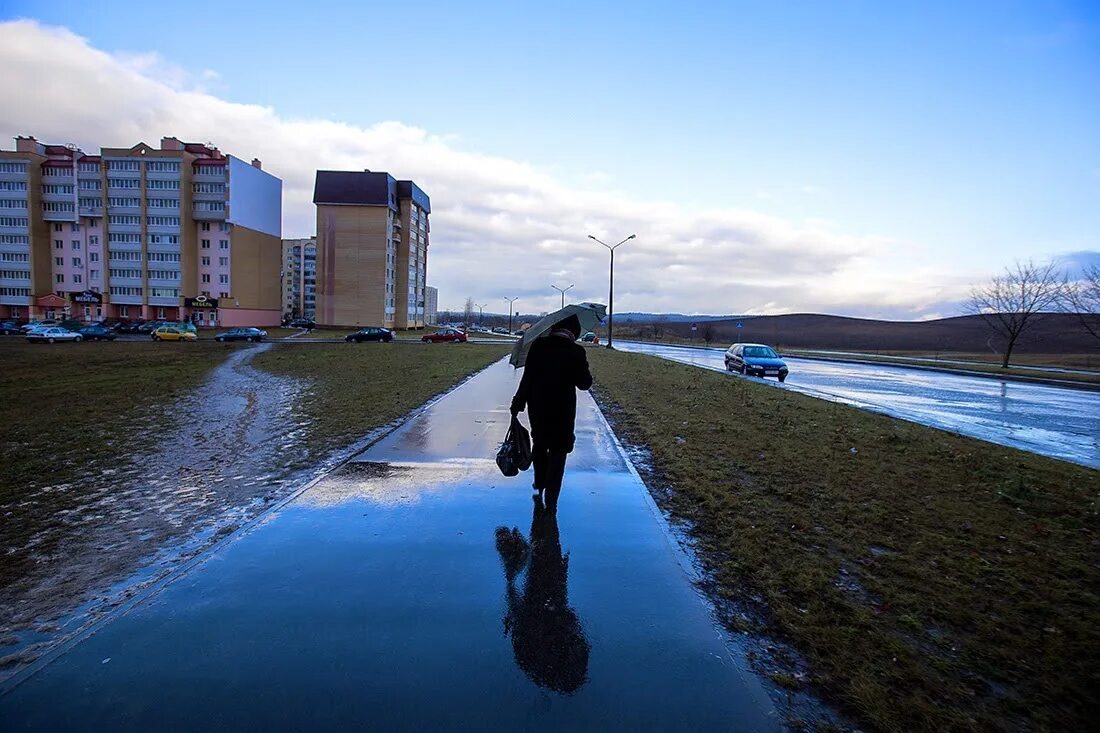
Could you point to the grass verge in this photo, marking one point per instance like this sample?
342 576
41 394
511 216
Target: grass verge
72 410
931 581
348 391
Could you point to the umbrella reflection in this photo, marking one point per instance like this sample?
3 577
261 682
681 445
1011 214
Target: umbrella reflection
547 638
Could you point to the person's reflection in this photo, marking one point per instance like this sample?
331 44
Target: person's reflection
547 638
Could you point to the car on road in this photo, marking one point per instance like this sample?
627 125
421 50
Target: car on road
445 335
173 333
756 360
97 333
590 338
502 330
129 326
50 334
302 323
242 334
10 328
370 333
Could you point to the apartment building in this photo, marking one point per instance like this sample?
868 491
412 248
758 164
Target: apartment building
183 232
300 278
431 306
372 250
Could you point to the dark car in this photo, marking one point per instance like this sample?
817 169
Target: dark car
45 322
370 333
446 335
589 338
10 328
242 334
755 360
129 326
150 326
97 333
302 323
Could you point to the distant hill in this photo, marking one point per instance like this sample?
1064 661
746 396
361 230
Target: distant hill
1053 333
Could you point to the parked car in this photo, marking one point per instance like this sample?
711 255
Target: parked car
129 326
173 333
242 334
590 338
150 326
451 335
33 324
501 329
756 360
97 333
10 328
50 334
302 323
370 333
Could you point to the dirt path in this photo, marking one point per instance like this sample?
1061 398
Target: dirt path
212 460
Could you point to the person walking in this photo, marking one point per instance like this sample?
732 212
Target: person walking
556 368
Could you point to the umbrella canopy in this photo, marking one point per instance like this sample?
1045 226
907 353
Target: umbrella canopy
589 314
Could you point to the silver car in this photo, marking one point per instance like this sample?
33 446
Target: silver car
52 334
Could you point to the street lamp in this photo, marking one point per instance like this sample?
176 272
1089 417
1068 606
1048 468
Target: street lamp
611 283
510 301
480 312
562 291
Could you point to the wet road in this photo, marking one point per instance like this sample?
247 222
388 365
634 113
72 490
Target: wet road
1052 421
417 588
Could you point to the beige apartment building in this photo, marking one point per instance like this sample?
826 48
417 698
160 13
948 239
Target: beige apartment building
372 250
181 232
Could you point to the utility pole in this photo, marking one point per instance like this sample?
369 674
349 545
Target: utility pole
611 284
562 291
510 301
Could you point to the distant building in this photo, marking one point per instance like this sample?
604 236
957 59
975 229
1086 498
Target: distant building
300 278
431 306
183 232
372 250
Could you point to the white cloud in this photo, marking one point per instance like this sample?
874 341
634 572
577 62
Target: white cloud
500 227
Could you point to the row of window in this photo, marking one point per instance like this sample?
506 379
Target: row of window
15 274
208 187
57 206
15 257
134 220
13 221
17 292
13 204
15 239
13 166
13 185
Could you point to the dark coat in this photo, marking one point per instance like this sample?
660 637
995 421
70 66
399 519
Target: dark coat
556 368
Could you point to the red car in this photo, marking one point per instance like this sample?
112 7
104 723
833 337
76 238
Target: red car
452 335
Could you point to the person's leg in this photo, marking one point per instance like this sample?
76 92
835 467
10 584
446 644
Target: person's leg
540 462
555 472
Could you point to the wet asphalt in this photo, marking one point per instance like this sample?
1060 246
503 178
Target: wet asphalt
1058 422
416 587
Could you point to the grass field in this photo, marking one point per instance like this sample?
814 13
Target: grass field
348 390
930 581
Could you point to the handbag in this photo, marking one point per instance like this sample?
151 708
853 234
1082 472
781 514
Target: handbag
515 452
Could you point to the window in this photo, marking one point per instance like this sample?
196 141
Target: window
123 165
90 184
90 203
15 274
164 239
14 257
123 311
120 273
123 238
205 278
160 314
93 257
88 167
205 226
209 206
18 292
77 262
93 240
123 183
223 261
124 220
208 187
13 166
223 279
163 257
59 261
162 185
164 274
58 244
223 294
163 221
223 244
57 188
224 226
163 166
164 203
125 290
59 278
93 274
76 244
125 256
76 278
205 244
13 185
205 260
58 206
132 202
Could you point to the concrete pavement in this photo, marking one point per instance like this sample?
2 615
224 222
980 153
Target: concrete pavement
416 587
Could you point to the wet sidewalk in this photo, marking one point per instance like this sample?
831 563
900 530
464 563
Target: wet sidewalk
394 594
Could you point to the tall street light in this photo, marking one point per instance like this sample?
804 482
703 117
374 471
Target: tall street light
510 301
562 291
481 312
611 283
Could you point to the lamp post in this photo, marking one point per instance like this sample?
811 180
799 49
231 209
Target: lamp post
562 291
510 301
480 312
611 283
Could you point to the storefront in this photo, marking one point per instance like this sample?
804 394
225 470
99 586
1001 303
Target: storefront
87 306
203 311
50 306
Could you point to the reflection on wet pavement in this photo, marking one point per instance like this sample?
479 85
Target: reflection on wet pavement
375 599
1053 421
192 481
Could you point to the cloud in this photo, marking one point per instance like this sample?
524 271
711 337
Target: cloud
500 227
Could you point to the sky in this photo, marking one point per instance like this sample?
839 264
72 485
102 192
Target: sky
854 157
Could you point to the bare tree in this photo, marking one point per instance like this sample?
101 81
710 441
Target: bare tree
1083 298
468 313
1010 302
708 333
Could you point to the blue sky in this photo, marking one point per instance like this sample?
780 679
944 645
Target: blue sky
964 132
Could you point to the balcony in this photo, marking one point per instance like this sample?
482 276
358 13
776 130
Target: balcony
18 248
204 215
164 247
211 177
163 228
124 210
164 300
91 211
63 198
126 299
16 299
59 215
13 176
162 175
